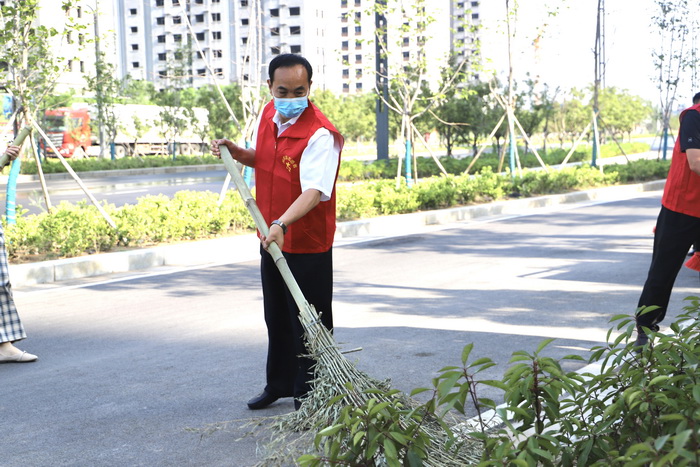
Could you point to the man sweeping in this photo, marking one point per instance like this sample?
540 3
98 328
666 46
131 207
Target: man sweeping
678 224
296 155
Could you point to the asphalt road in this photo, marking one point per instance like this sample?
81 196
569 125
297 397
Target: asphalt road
130 364
115 189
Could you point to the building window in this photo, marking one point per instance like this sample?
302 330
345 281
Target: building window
216 16
357 2
215 1
244 2
162 57
134 29
70 62
160 20
216 35
346 87
159 2
358 45
69 37
358 15
201 55
200 36
134 47
81 39
294 11
274 31
343 3
358 30
135 64
406 41
199 18
177 37
358 73
177 20
244 40
177 55
199 2
244 21
295 49
246 77
163 74
275 12
346 59
475 15
475 4
176 2
217 53
246 59
344 31
344 17
358 86
202 72
275 50
358 58
161 39
78 11
406 56
294 30
219 71
132 11
82 66
346 73
345 45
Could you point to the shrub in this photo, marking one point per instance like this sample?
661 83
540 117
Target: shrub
642 408
354 202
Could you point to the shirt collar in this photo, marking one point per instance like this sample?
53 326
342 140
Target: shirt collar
277 120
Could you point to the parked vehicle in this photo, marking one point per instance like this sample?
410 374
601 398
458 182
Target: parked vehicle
140 131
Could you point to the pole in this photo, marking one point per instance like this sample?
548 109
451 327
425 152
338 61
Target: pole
98 81
382 70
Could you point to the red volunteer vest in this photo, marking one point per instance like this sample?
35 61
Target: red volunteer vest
682 190
277 182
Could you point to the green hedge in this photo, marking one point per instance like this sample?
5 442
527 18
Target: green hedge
74 230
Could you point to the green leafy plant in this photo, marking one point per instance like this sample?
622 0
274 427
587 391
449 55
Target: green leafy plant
641 408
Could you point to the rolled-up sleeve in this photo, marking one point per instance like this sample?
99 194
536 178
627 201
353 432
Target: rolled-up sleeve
319 163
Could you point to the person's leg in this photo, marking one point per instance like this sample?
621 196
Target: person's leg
314 274
674 235
11 329
281 351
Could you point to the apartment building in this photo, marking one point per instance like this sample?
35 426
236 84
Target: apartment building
186 43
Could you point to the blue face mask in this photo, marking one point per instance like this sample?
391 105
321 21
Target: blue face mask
291 107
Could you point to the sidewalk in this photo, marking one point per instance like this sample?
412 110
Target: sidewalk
245 248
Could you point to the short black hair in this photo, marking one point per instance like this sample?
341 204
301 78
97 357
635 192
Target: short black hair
286 61
696 99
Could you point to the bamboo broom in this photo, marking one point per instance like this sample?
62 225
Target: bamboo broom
335 378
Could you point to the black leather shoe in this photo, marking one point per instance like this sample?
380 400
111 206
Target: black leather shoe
261 401
642 337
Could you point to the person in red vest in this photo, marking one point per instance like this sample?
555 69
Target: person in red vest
677 227
296 155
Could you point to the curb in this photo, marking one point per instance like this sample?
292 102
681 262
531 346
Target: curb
243 248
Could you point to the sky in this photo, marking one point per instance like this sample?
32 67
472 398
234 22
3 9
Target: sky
565 54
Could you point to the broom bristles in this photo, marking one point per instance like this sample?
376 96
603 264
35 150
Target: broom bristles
694 262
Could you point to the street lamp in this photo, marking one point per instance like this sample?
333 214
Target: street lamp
98 80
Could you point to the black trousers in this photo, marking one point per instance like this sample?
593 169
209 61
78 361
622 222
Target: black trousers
288 372
674 235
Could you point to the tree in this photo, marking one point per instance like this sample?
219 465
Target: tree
107 89
675 24
621 112
353 115
409 91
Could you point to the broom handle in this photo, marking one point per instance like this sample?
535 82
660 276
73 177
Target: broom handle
234 169
24 132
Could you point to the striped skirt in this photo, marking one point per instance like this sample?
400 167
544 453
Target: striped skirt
10 325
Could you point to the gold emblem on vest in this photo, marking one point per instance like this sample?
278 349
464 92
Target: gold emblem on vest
289 163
